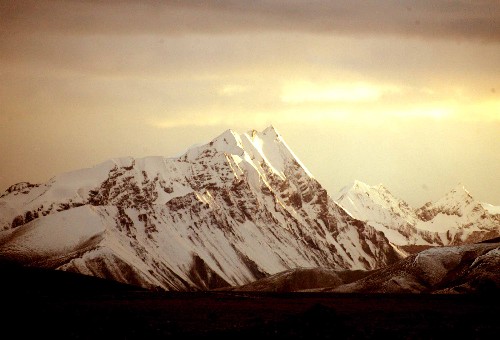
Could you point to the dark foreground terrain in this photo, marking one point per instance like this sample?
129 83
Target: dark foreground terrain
70 308
139 315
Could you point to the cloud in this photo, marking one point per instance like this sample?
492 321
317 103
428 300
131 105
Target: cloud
425 18
232 89
181 62
306 91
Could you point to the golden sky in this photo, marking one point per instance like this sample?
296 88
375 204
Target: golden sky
404 93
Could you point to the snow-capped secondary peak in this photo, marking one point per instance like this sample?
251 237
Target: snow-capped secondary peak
355 187
456 202
459 218
376 205
358 188
454 219
361 186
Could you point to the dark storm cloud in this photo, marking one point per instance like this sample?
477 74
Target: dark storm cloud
478 19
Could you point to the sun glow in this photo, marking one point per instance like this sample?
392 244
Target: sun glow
422 112
488 110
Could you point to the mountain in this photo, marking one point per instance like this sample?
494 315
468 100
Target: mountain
458 218
376 205
455 219
453 269
448 270
302 279
223 214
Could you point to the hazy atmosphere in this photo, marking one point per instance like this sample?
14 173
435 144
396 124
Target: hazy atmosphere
403 93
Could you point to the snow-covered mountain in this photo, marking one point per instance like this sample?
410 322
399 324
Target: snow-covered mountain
226 213
458 218
455 219
376 205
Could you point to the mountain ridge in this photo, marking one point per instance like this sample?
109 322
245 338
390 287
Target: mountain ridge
454 219
224 213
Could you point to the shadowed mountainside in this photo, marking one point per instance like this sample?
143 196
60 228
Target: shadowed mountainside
302 279
458 269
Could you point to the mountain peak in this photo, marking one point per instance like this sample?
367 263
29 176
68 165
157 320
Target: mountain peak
227 142
274 148
358 186
267 145
457 203
271 131
228 136
457 195
269 134
460 187
458 191
355 186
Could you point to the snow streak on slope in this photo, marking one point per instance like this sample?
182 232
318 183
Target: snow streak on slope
455 219
226 213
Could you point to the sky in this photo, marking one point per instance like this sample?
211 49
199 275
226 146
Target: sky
400 93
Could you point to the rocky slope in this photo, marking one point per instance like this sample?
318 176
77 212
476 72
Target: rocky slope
453 269
226 213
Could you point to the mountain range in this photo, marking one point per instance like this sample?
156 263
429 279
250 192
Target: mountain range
226 213
235 210
457 218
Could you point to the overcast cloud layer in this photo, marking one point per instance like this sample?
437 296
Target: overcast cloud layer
428 18
404 93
